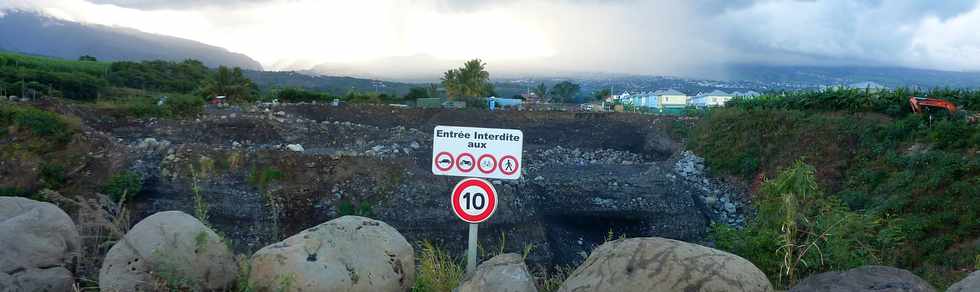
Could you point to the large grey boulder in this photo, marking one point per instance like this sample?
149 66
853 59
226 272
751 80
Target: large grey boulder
168 250
970 283
502 273
865 279
660 264
38 241
349 253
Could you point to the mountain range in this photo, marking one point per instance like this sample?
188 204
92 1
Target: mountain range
38 34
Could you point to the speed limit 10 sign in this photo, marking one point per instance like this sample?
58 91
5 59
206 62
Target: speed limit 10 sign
474 200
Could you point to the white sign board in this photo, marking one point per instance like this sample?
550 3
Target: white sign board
477 152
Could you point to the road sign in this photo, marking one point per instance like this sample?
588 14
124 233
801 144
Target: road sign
477 152
474 200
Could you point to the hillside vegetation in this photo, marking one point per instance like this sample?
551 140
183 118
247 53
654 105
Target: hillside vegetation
889 187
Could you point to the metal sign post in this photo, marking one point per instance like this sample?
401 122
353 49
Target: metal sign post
471 249
476 153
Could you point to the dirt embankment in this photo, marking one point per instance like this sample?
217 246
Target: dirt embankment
586 175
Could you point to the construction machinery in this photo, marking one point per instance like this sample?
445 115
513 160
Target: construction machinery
925 104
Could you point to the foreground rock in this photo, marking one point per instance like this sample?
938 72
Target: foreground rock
168 251
865 279
349 253
503 273
970 283
660 264
37 242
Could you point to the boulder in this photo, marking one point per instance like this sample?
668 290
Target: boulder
865 279
660 264
970 283
503 273
167 251
37 242
349 253
295 148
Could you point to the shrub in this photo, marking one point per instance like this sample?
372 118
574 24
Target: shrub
182 105
52 175
799 230
437 271
44 124
124 186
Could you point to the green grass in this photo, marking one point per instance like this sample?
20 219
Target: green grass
437 271
174 106
55 130
123 186
53 64
914 178
798 230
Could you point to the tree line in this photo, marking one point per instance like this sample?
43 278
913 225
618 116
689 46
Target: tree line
89 79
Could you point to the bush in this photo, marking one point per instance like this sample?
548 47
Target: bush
891 102
915 178
124 186
437 271
44 124
175 105
799 230
52 175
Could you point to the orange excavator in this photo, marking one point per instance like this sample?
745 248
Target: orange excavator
921 104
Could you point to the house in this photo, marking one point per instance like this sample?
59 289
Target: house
710 99
532 98
509 103
747 94
218 100
670 101
869 85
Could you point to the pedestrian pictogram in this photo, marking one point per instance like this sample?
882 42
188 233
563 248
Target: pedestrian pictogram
477 152
465 162
509 165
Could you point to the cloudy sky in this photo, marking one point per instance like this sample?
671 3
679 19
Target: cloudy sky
649 37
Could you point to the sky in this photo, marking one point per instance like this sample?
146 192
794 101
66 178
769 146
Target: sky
615 36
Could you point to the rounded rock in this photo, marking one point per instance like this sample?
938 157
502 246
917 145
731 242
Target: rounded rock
37 242
865 279
970 283
168 250
350 253
660 264
503 273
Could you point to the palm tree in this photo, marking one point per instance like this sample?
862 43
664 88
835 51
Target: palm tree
468 81
228 82
541 91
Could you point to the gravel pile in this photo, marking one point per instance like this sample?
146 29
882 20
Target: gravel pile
561 155
719 197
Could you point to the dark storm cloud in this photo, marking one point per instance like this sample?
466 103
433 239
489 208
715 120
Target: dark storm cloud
178 4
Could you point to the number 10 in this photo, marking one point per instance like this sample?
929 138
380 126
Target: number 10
471 200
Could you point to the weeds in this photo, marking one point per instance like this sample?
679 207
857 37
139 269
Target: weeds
551 281
799 230
200 205
263 179
123 184
437 271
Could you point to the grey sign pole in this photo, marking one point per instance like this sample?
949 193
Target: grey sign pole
471 250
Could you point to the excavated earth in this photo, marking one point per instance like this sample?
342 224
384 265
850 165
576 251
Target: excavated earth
587 175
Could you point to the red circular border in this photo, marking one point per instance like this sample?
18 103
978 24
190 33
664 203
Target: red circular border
436 161
491 197
458 166
481 159
517 164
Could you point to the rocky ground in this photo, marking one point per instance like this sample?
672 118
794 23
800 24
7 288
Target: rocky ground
271 170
